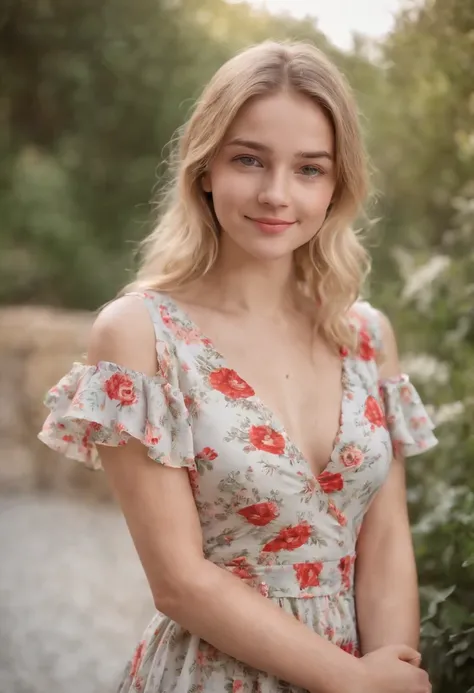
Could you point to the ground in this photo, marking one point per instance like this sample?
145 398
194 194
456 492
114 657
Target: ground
73 597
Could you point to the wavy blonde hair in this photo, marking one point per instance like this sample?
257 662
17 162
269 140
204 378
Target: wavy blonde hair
184 244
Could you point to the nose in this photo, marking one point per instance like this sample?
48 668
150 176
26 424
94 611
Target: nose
274 190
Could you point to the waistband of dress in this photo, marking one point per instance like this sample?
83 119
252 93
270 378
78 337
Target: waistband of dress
297 580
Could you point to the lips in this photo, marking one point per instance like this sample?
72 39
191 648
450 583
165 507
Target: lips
272 221
271 225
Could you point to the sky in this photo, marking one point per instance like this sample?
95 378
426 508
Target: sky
339 18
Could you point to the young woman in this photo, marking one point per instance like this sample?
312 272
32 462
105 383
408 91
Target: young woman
249 411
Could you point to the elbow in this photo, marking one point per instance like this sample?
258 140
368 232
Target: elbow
173 592
168 599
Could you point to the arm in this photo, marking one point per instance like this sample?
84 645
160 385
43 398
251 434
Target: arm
386 580
163 521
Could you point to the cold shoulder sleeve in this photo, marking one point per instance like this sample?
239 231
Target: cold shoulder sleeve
410 426
107 405
408 422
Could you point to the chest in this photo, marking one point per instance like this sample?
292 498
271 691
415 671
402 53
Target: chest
296 384
245 454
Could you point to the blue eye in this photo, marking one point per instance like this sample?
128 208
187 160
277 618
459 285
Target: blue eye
248 160
311 171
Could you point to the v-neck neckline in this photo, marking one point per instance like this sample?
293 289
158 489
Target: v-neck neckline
268 414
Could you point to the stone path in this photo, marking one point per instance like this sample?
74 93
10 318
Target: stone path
73 597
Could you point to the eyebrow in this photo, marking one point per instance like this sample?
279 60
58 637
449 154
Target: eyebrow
259 147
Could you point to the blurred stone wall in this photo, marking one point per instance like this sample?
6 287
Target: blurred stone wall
74 599
37 347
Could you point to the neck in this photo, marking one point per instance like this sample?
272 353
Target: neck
248 285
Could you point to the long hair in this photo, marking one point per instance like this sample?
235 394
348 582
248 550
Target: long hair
183 246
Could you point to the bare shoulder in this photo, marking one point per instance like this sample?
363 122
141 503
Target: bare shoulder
123 333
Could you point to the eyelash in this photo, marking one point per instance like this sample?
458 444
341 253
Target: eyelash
320 172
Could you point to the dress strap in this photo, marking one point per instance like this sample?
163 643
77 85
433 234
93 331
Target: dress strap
164 348
367 320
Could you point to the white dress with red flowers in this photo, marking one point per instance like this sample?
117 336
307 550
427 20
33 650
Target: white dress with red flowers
265 516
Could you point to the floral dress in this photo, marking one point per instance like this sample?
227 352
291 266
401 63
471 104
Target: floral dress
265 516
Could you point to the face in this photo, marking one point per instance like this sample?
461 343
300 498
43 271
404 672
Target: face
274 176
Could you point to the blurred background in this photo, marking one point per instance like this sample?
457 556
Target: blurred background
90 95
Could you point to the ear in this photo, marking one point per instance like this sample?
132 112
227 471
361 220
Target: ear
206 182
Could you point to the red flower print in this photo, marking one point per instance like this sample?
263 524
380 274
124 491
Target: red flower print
347 647
307 574
329 632
351 456
345 567
68 439
194 481
152 434
350 647
266 439
165 316
206 654
188 401
237 686
373 412
289 538
92 426
417 422
119 386
137 659
230 384
366 350
241 568
138 685
405 393
330 482
337 514
206 455
88 433
260 514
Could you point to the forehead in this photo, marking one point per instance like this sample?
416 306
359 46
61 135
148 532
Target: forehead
282 120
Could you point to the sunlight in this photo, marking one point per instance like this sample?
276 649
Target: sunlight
339 19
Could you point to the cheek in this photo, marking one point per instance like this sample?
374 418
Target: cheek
231 191
314 203
224 202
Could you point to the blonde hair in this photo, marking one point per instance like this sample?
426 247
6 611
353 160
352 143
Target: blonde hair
184 244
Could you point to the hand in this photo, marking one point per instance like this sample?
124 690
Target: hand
392 669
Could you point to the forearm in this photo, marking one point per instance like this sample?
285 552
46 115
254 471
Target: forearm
237 620
387 600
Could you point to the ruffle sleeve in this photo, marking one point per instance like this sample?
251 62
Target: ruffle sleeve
409 424
108 404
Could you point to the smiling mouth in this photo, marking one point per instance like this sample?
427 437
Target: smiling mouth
270 225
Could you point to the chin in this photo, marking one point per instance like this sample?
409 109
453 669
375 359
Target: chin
263 248
270 251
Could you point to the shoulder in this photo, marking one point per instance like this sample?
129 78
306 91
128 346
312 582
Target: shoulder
374 325
123 333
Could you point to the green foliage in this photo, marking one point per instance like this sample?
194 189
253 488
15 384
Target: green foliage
90 103
422 139
90 98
